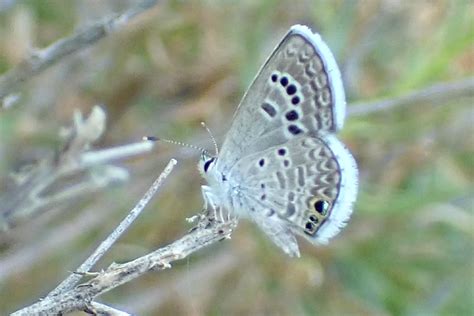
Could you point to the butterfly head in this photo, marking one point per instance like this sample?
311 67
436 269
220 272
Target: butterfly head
206 163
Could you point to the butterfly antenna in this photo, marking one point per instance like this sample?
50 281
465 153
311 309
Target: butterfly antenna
156 139
212 137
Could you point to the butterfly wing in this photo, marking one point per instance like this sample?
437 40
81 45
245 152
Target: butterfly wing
297 91
278 231
283 165
310 183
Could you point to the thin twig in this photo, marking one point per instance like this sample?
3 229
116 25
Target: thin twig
102 309
437 93
36 188
115 153
87 185
74 278
80 297
42 59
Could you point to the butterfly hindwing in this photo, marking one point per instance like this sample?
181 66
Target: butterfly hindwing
309 182
277 230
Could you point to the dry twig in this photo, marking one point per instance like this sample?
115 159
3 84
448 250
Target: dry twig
73 279
435 94
42 186
102 309
42 59
80 297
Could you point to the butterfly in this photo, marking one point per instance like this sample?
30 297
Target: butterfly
281 164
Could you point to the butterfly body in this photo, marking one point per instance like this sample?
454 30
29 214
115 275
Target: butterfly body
281 164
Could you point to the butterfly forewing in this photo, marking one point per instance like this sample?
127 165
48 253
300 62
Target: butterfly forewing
297 91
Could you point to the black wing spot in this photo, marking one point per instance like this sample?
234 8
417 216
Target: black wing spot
292 115
310 228
295 100
295 130
321 207
291 89
313 219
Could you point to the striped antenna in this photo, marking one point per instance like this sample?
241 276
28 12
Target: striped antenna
156 139
212 137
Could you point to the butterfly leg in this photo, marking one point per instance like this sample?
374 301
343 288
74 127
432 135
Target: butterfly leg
210 200
212 204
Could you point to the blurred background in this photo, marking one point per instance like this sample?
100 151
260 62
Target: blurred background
408 249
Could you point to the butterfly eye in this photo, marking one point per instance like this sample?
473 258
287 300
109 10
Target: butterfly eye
208 163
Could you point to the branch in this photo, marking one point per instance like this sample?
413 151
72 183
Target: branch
42 59
437 93
68 297
73 279
206 233
42 185
102 309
